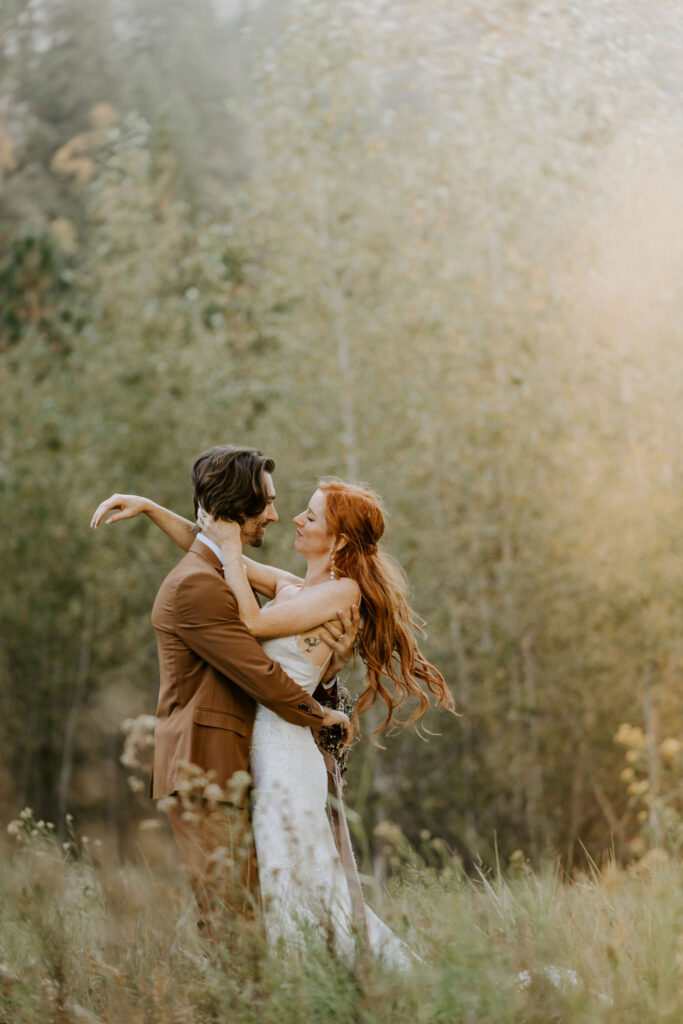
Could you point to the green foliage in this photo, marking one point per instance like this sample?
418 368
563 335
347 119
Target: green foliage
430 281
151 306
31 286
450 268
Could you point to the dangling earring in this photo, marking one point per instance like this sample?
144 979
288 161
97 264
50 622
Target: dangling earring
333 567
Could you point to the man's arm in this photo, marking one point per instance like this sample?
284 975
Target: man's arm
207 620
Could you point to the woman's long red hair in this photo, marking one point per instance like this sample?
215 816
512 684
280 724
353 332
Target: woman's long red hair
386 642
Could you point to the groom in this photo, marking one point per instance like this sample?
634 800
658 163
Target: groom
213 673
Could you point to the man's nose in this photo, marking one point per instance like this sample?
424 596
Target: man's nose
272 514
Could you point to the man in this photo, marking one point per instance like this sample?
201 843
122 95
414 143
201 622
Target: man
213 672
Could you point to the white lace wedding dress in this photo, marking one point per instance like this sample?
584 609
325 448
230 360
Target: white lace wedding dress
305 889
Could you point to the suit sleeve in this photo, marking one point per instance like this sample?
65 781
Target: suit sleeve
207 620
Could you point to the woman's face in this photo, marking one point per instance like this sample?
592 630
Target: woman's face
312 535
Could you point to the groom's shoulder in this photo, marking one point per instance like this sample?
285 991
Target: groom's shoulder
192 578
195 569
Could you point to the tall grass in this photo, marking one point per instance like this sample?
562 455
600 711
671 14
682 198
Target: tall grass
84 940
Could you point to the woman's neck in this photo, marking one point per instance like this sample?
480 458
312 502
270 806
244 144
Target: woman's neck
318 571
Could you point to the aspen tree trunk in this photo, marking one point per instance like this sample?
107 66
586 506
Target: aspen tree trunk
345 384
651 731
78 694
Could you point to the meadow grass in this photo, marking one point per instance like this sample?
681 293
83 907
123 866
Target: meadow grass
83 940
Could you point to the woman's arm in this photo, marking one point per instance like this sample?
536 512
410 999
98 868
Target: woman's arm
266 579
180 530
308 610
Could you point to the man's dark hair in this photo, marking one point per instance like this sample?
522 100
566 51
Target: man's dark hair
228 482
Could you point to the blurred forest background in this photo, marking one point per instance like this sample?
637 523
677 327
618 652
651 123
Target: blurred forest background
435 246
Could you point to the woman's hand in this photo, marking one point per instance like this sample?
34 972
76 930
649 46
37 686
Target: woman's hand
129 505
223 532
341 641
333 717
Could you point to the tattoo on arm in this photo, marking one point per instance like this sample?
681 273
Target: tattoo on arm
311 642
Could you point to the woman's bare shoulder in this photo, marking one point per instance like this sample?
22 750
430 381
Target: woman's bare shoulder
345 590
348 589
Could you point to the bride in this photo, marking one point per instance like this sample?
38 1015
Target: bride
306 889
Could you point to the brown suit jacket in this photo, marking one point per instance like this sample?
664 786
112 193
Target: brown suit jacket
212 674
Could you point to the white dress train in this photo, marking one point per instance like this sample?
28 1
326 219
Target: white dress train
305 889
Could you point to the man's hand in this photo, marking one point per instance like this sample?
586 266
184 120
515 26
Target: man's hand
341 642
129 505
332 717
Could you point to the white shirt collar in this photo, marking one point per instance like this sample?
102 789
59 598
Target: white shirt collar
211 544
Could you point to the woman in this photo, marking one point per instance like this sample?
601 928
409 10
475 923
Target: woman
304 887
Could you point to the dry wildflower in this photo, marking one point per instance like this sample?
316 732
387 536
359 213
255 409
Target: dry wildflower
638 846
629 735
627 775
622 734
50 990
389 832
638 788
633 756
138 747
149 825
237 787
652 860
213 793
670 748
38 835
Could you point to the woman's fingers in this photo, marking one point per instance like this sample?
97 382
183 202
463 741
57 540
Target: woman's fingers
102 510
128 505
225 532
331 634
125 513
342 640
